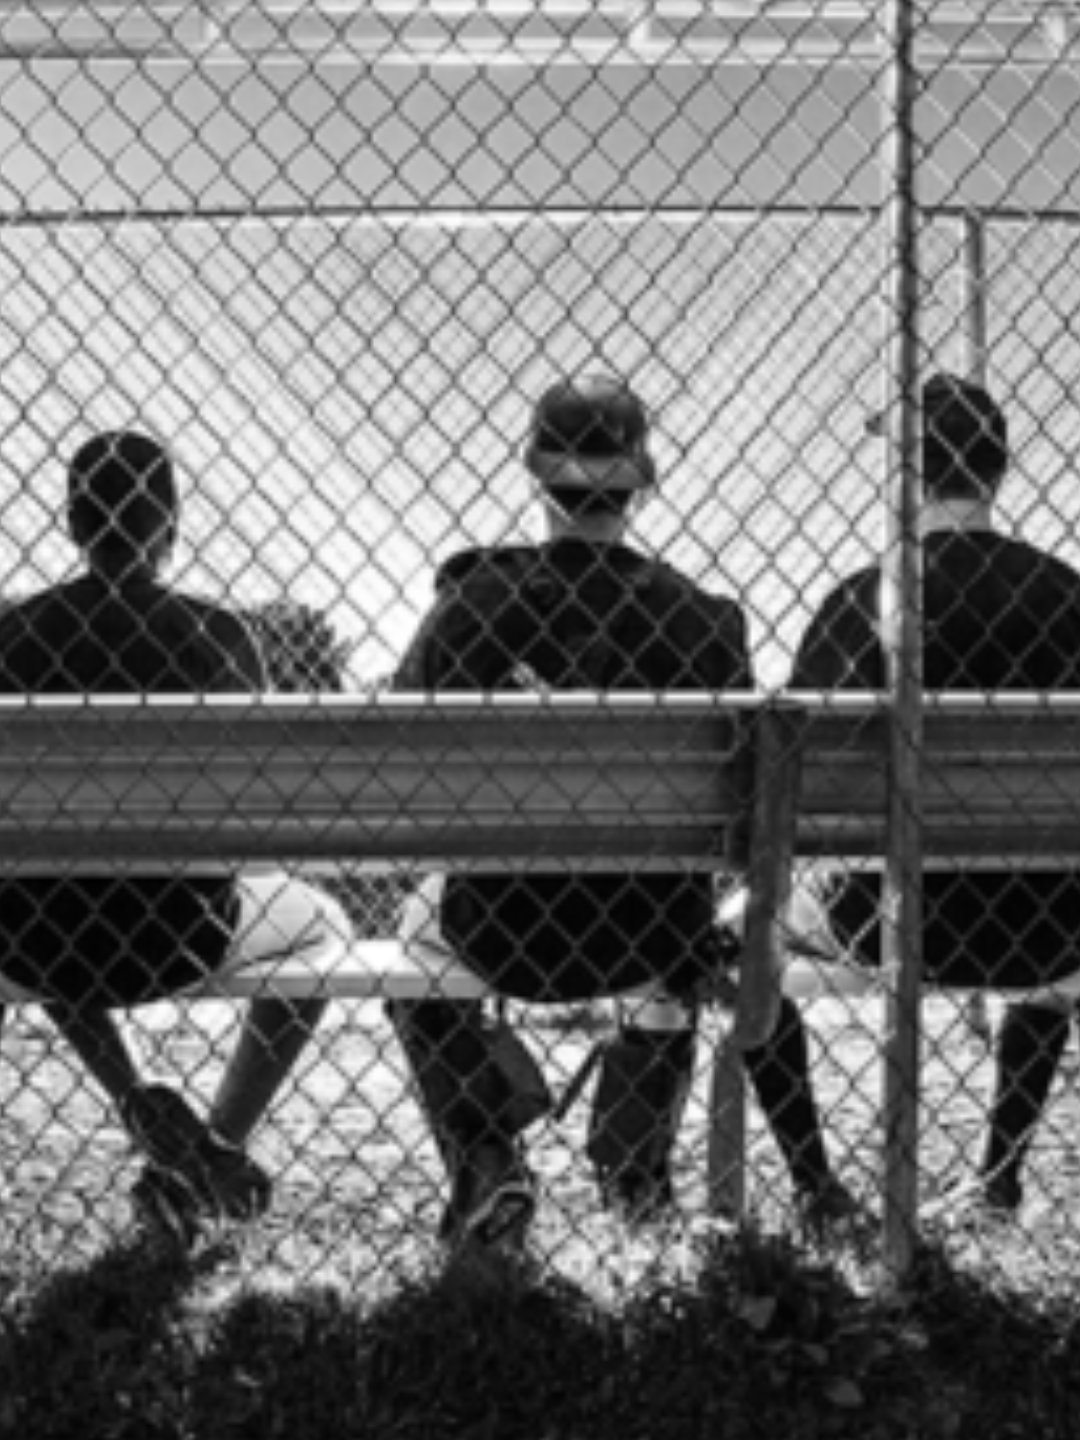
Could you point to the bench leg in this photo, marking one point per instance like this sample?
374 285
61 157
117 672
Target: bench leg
779 1072
777 775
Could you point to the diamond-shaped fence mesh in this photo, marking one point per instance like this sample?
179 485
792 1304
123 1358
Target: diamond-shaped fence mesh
328 255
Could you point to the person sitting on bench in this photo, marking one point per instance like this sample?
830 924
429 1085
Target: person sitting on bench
581 611
998 614
84 944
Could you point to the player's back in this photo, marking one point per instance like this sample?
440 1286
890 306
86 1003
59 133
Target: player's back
143 932
93 636
578 616
998 614
572 615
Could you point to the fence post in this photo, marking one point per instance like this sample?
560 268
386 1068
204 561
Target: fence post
778 735
902 635
973 296
976 355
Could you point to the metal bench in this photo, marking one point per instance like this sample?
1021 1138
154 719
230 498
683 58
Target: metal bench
620 782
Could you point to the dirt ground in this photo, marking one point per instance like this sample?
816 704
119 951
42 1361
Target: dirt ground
357 1178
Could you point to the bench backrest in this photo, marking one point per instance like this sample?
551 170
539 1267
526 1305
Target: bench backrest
455 779
1000 776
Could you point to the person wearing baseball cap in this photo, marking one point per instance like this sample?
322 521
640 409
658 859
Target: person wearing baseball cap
998 614
85 944
591 435
582 610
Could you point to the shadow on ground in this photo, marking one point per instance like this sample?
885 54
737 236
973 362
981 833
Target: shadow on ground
765 1340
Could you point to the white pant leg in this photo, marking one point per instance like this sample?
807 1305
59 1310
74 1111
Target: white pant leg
282 918
1063 994
816 964
16 995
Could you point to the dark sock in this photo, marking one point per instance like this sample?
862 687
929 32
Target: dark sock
464 1091
780 1074
638 1104
1029 1048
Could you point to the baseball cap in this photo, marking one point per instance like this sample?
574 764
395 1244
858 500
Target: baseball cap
963 427
121 490
591 433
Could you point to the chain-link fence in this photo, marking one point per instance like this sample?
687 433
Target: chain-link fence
331 254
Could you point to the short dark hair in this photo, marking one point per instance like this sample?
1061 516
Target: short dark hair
121 493
965 439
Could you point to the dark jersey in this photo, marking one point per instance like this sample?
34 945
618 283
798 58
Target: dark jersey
93 637
119 939
575 615
998 615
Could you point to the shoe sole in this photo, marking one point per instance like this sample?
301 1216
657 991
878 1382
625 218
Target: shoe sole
172 1218
509 1208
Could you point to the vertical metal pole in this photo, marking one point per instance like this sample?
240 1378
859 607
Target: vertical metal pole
973 296
902 626
975 348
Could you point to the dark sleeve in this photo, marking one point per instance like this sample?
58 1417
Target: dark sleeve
738 648
1068 645
8 636
250 661
724 662
24 659
239 659
428 659
415 670
459 644
841 649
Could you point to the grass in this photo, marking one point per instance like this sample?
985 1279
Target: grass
337 1317
763 1339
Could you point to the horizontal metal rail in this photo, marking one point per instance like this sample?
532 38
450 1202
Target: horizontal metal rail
458 779
431 216
1000 777
514 781
527 32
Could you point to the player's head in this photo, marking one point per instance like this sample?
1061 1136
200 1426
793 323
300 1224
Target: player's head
965 440
122 503
588 447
